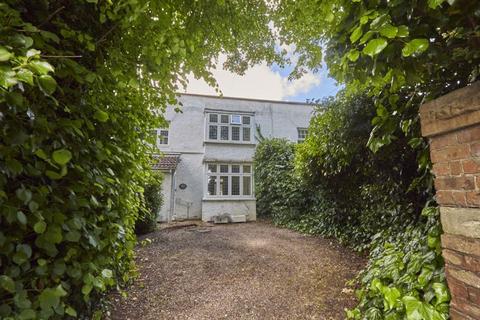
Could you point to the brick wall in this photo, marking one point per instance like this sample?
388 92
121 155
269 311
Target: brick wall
452 124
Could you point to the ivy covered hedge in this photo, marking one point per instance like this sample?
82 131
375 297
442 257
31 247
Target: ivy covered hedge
81 85
333 185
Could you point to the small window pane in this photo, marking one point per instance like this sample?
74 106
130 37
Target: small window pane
235 185
302 133
224 185
235 168
236 133
236 119
247 185
163 137
246 120
247 169
213 117
224 132
212 132
224 168
212 186
212 168
224 118
246 134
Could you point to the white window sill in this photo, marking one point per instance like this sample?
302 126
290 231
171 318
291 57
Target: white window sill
230 199
230 142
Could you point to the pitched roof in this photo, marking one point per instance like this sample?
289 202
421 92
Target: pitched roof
166 162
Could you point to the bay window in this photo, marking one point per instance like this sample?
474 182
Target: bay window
229 180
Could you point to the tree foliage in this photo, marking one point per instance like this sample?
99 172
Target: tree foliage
333 185
81 85
152 201
399 52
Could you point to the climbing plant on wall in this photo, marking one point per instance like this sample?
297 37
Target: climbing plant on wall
81 85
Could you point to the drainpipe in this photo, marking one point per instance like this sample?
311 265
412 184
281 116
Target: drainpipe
172 196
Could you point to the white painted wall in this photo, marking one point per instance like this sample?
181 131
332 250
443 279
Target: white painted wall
187 137
166 193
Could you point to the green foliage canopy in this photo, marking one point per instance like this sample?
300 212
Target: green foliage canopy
400 52
81 85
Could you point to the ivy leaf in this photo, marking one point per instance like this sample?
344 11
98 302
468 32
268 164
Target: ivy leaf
41 154
5 55
415 47
414 308
107 273
73 236
28 314
375 46
41 67
53 175
101 116
47 84
71 312
40 227
388 31
441 292
21 217
7 283
62 156
435 3
50 297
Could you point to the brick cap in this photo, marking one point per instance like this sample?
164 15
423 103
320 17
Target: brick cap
455 110
461 221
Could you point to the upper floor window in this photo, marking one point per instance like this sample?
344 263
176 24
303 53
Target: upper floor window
229 127
302 134
161 136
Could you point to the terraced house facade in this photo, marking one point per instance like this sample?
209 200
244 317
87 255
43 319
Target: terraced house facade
206 153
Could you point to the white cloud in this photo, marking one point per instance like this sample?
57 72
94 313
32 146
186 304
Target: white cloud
258 82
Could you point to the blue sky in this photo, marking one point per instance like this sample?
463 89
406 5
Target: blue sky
326 87
267 82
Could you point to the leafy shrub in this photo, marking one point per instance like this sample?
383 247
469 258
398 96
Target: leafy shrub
333 185
405 276
152 202
81 85
359 192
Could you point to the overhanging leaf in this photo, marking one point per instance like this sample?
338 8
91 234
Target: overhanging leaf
41 67
62 156
388 31
47 84
415 47
375 46
5 55
101 116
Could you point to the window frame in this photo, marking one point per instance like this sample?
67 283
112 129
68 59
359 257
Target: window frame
217 174
240 123
301 139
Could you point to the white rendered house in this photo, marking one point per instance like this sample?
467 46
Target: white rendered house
207 153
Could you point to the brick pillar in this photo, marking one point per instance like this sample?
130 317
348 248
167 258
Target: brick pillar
452 124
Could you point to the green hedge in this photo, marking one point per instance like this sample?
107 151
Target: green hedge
82 83
333 185
151 204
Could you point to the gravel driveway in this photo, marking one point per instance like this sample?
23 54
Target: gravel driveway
239 271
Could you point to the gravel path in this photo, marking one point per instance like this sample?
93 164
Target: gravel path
239 271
